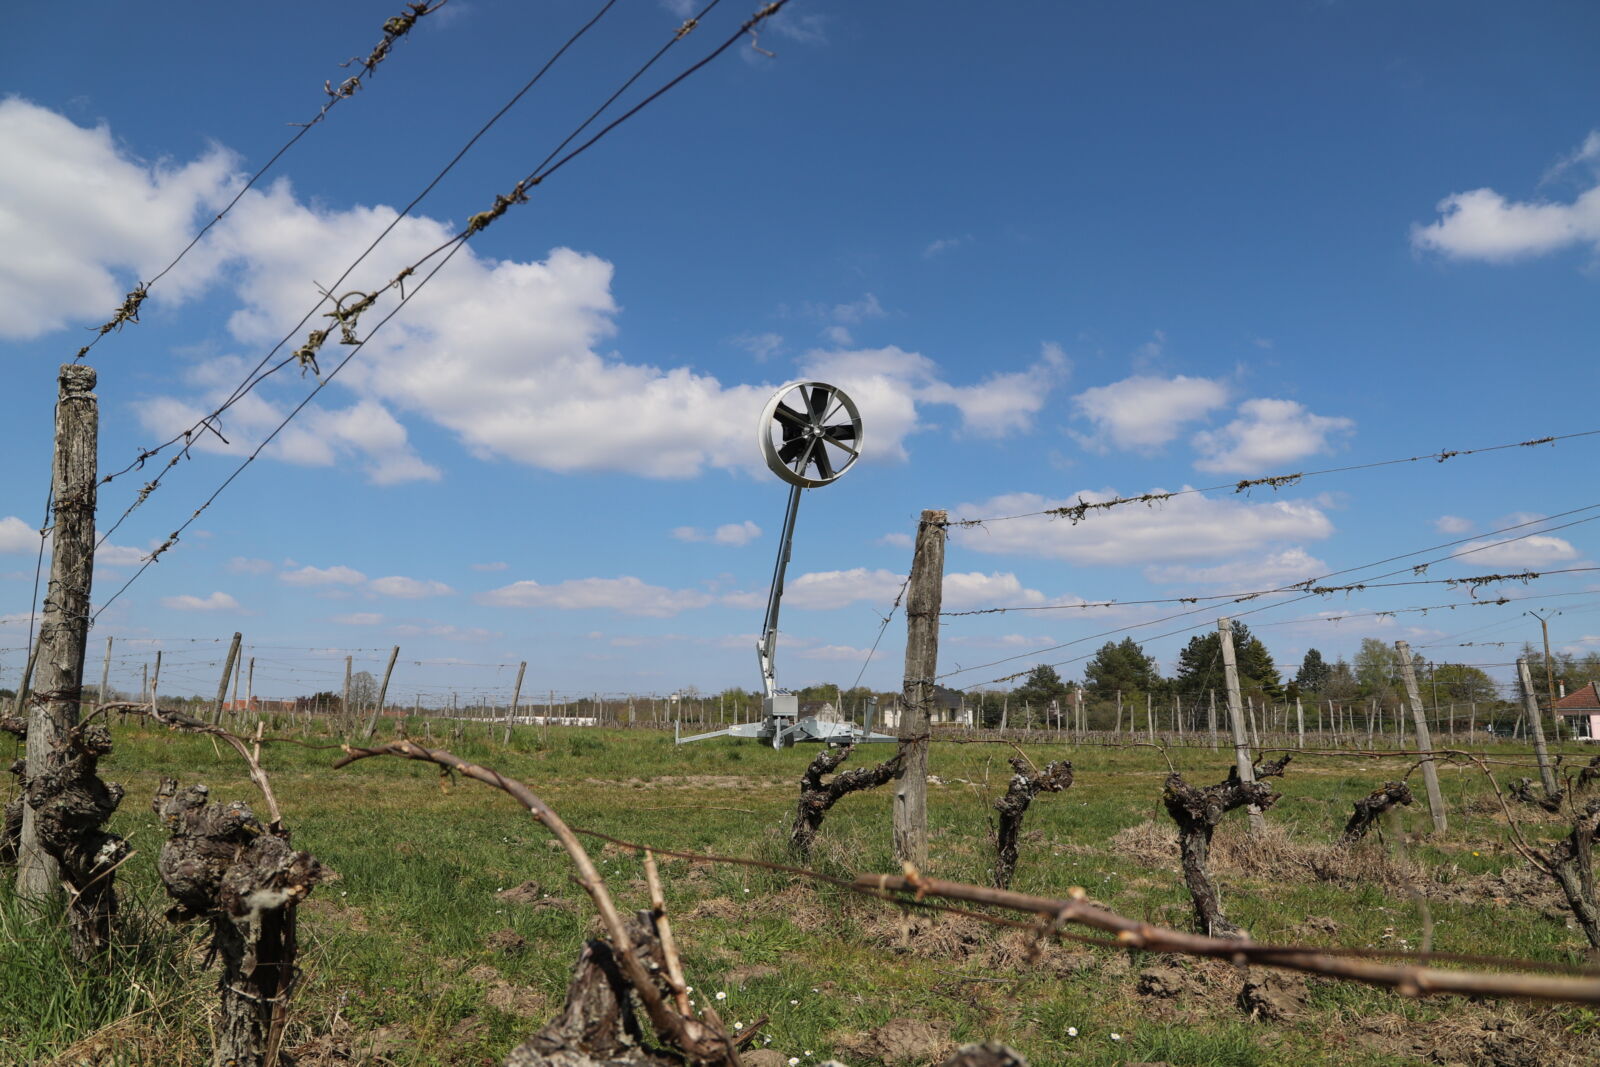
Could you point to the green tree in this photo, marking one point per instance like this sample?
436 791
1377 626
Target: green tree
1377 669
1121 666
1457 683
1200 666
1313 672
1042 686
1340 685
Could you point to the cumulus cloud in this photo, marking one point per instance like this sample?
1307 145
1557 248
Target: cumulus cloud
512 357
1534 552
1453 524
245 565
218 601
109 555
408 588
825 590
733 533
1275 568
1185 528
358 618
1485 225
895 540
335 575
84 220
626 596
1267 434
17 536
1143 413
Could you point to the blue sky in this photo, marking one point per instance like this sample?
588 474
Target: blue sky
1052 250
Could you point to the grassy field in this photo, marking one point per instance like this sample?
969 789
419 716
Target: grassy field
418 955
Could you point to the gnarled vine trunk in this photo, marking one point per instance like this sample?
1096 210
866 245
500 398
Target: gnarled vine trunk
816 797
1197 812
1024 786
1372 807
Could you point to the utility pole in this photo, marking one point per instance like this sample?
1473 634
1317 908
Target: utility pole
227 672
1241 744
1430 773
923 596
383 694
1530 704
1549 671
64 630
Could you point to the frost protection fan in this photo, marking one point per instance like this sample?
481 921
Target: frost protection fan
810 434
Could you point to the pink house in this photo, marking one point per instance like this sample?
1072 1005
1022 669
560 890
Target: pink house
1581 712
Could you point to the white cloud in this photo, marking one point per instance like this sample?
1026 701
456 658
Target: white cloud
1193 527
825 590
17 536
472 634
1453 524
1275 568
245 565
408 588
975 589
335 575
835 653
859 311
762 346
736 534
1483 224
511 357
358 618
1144 413
109 555
895 540
83 220
625 595
838 336
1534 552
1267 434
218 601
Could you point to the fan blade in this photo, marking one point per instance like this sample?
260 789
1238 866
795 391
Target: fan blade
818 402
788 414
824 466
792 450
844 431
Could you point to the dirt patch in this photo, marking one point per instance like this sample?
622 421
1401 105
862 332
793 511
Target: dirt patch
1275 996
928 936
507 941
323 908
764 1057
343 1047
899 1041
716 908
1163 981
526 893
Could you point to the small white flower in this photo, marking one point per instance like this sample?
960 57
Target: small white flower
721 995
1116 1037
1072 1031
688 989
793 1003
794 1061
738 1026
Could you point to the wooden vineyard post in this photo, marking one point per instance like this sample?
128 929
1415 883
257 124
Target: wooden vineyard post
250 687
383 694
1430 773
516 697
222 684
1211 716
64 630
923 597
1530 704
345 714
1241 743
1300 721
105 672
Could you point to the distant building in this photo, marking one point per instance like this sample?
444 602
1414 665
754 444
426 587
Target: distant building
1581 710
949 708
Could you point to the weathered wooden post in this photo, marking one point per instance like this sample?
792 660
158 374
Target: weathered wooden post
923 598
155 683
383 694
1241 743
516 696
250 687
105 672
1530 704
222 685
55 825
1300 721
1430 773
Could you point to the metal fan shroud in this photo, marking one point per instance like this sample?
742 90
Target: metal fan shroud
810 433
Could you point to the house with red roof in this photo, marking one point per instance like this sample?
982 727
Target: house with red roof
1580 711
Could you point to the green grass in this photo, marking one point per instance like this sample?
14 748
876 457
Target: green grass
400 940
